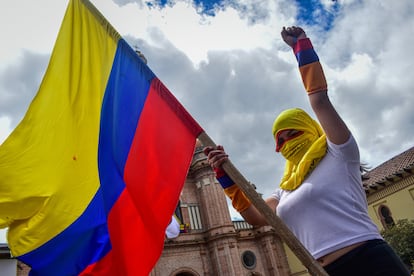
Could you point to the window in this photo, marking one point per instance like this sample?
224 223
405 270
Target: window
184 274
249 259
386 217
195 218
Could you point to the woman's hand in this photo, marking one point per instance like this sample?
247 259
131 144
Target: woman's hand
292 34
216 156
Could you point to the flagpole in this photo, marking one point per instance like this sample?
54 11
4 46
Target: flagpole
279 226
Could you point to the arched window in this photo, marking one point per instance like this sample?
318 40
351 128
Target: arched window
184 271
386 217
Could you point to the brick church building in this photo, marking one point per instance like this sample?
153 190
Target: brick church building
213 244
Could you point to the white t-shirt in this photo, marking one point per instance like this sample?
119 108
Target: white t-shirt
329 210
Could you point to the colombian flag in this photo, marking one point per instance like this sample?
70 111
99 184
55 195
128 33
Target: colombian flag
91 176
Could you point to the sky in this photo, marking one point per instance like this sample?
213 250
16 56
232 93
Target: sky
226 63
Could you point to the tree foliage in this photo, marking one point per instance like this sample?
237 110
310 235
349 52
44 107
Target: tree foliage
401 238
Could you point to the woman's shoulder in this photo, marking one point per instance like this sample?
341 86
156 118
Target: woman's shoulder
347 150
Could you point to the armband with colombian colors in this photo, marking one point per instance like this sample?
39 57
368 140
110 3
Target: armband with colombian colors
309 66
238 199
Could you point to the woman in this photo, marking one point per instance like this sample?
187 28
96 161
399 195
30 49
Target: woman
320 197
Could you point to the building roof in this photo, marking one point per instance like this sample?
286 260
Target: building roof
390 171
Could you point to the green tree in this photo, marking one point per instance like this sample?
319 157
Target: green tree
401 238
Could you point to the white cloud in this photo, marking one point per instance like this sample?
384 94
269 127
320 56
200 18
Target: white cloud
30 25
193 33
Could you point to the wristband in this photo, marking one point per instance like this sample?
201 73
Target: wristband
224 180
238 199
309 66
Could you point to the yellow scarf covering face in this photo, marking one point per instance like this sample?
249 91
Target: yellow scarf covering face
303 152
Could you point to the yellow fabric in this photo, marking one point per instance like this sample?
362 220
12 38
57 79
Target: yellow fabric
313 77
293 150
303 152
238 199
38 185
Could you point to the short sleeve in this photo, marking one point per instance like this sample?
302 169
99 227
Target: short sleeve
347 151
